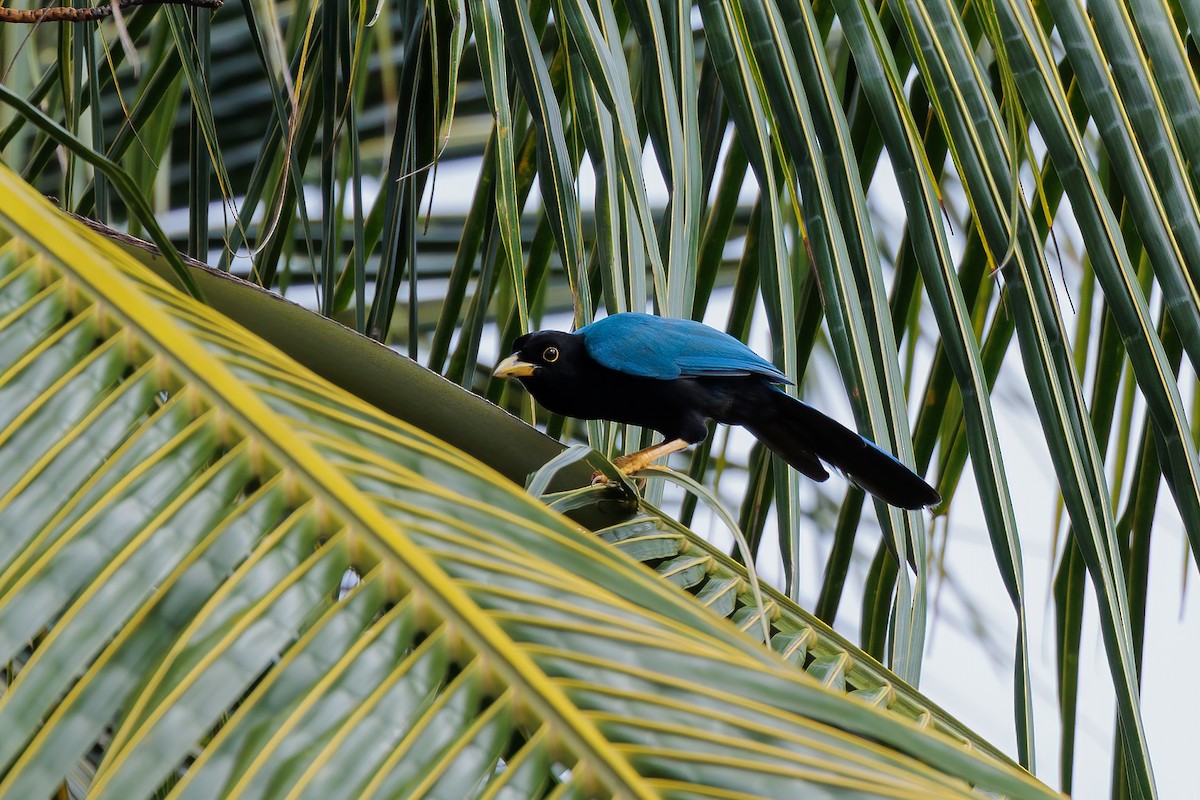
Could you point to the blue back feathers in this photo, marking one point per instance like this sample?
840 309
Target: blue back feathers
663 348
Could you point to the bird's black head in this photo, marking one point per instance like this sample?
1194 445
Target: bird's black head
543 357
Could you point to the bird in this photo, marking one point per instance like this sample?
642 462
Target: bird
672 375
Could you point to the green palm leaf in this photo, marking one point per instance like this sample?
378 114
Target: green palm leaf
183 506
324 124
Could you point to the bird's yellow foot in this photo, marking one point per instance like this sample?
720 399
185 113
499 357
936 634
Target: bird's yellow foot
600 479
636 462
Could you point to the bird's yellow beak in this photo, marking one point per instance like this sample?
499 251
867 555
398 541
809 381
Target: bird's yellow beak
513 367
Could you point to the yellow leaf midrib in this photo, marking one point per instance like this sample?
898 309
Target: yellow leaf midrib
101 270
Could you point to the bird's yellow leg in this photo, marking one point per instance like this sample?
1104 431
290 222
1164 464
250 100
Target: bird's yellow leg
636 462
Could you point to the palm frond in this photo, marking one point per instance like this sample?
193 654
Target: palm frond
223 575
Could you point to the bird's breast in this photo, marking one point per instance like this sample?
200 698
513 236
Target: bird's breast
582 396
676 408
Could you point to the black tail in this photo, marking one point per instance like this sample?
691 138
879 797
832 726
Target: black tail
804 437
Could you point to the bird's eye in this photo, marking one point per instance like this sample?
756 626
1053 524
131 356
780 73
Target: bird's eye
550 355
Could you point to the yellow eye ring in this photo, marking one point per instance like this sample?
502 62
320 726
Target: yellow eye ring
550 355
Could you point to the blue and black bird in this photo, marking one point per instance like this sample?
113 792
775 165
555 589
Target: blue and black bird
672 375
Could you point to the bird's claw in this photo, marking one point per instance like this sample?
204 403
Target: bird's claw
600 479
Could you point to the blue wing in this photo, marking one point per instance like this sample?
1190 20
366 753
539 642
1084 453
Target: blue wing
663 348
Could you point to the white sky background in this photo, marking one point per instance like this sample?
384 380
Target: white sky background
969 653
